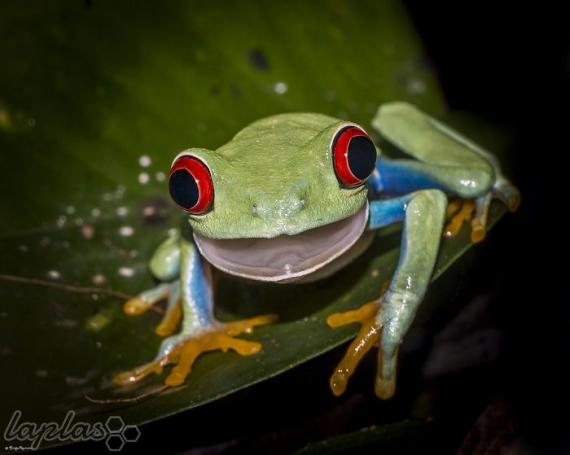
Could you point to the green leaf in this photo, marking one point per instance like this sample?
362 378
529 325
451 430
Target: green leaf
87 92
389 438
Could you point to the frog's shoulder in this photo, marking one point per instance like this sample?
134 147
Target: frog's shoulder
300 123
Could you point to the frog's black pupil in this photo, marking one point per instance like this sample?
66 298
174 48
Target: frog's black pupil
361 156
183 188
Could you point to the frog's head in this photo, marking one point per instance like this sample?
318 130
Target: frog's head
286 196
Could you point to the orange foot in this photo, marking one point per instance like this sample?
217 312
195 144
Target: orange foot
369 335
185 352
458 212
476 211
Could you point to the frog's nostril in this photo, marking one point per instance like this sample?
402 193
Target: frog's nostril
279 209
299 204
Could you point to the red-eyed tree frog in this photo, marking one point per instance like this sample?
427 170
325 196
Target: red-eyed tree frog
294 198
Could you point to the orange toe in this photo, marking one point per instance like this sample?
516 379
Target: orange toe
185 353
368 336
464 214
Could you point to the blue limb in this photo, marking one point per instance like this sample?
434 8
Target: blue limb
384 212
405 176
195 289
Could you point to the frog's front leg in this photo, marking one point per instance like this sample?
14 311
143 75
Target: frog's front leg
200 331
387 319
444 160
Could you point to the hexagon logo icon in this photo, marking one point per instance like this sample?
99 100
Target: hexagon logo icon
114 424
114 442
118 433
131 433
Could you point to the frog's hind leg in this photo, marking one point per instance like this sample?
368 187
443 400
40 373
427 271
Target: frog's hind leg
445 160
200 331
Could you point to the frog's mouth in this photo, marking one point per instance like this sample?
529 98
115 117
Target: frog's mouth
285 257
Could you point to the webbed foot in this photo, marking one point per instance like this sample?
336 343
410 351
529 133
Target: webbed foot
184 349
458 212
368 336
371 316
476 211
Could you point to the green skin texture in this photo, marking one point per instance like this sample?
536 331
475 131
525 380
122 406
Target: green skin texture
275 177
276 165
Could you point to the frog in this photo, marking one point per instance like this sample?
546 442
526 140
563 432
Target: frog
295 198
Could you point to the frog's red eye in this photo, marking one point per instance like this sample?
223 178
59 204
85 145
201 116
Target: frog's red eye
354 156
190 185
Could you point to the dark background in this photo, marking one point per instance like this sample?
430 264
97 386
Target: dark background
510 65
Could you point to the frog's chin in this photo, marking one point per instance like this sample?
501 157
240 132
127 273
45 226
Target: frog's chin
286 257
